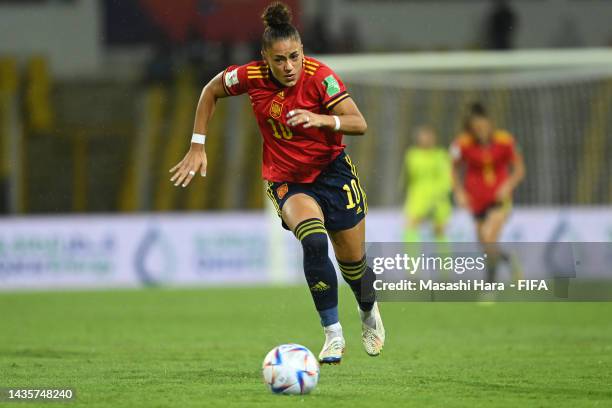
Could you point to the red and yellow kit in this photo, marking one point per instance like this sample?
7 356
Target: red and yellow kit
291 154
486 166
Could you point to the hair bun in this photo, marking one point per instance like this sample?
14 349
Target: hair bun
276 14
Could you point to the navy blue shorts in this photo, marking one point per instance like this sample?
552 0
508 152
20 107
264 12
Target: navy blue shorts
337 190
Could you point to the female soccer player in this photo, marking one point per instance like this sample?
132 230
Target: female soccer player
493 167
428 174
302 110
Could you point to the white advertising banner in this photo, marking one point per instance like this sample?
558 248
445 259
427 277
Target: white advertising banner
124 251
535 224
219 248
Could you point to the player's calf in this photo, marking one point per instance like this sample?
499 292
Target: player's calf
360 278
323 284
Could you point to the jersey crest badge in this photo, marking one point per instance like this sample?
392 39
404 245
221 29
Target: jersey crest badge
281 191
276 109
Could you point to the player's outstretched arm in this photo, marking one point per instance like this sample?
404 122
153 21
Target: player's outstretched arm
195 159
350 119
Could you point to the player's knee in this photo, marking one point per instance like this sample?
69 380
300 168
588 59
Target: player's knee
315 245
490 234
300 206
486 238
313 237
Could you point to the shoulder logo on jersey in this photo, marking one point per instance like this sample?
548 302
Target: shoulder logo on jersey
331 85
231 78
281 94
281 191
257 72
276 109
310 67
502 137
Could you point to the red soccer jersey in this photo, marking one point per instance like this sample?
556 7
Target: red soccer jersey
486 166
294 154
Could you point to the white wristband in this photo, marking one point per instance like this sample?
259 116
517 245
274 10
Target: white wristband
337 120
198 138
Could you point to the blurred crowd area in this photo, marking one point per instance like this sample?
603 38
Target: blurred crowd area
104 142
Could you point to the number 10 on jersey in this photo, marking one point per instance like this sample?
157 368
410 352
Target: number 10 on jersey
279 130
352 191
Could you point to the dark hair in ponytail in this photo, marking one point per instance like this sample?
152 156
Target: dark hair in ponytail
277 22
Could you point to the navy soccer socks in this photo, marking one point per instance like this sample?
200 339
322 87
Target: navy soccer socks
318 269
360 278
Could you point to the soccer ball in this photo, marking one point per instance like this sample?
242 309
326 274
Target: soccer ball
290 369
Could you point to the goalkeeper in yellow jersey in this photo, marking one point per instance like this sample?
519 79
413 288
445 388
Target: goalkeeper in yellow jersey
427 170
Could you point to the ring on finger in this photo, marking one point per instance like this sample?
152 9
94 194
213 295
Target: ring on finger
192 173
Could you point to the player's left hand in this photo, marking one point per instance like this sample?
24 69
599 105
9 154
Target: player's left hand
298 117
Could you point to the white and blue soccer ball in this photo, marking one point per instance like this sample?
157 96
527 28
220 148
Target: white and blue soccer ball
290 369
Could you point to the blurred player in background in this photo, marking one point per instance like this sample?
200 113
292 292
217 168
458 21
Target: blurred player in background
302 110
427 171
487 167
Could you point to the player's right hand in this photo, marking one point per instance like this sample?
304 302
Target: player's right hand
194 161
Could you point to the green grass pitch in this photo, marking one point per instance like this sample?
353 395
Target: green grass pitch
194 348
